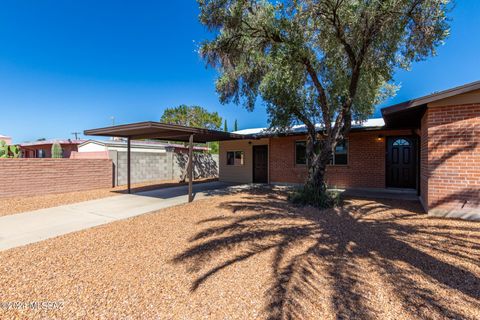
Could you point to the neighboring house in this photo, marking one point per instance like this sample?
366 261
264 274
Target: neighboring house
137 146
43 148
430 145
7 139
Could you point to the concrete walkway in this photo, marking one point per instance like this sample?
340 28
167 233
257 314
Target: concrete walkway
29 227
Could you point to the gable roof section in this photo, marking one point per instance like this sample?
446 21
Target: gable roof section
409 113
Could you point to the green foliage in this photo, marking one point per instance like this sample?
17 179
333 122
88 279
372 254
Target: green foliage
225 127
279 50
7 151
307 195
314 62
192 116
3 149
57 151
15 151
235 125
214 147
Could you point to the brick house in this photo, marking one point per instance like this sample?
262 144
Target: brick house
429 145
43 148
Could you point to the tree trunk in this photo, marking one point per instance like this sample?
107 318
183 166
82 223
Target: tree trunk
316 168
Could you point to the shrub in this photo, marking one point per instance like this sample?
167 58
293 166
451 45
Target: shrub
7 151
309 196
57 151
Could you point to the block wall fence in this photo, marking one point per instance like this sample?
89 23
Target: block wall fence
31 177
155 166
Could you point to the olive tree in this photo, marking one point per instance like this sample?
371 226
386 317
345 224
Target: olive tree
321 63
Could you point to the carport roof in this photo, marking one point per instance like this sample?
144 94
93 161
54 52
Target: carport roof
163 131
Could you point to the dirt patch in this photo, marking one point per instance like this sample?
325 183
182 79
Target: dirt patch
252 255
22 204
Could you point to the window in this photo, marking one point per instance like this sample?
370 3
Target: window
401 142
40 153
234 158
339 157
300 152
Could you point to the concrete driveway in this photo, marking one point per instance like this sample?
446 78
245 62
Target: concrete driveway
33 226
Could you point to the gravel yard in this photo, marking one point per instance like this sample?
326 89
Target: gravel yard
252 255
22 204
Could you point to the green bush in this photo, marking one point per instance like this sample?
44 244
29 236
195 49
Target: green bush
313 197
7 151
3 149
57 151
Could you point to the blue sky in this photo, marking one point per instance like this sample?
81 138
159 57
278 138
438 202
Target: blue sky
70 65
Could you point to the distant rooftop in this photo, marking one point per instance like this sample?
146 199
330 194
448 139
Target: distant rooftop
368 124
140 143
51 141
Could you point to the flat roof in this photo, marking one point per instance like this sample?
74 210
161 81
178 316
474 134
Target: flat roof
369 124
163 131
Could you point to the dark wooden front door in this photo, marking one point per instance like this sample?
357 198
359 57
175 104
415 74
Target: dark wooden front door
401 162
260 164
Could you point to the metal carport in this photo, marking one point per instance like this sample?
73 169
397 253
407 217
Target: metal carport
163 131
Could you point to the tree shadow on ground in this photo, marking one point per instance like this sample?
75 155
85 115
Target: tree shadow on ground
341 257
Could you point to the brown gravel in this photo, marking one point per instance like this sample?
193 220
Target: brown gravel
253 255
22 204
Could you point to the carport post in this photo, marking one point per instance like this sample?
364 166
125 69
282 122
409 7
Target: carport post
190 169
128 164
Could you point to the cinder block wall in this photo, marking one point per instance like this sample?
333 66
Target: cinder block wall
145 167
204 165
31 177
155 166
454 160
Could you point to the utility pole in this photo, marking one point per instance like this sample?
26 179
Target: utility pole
76 134
113 124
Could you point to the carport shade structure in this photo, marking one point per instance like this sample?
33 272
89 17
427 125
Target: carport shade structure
162 131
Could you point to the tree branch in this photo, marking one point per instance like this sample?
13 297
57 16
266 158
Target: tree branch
322 95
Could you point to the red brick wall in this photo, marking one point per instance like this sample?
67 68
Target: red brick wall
28 177
454 158
424 160
366 161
